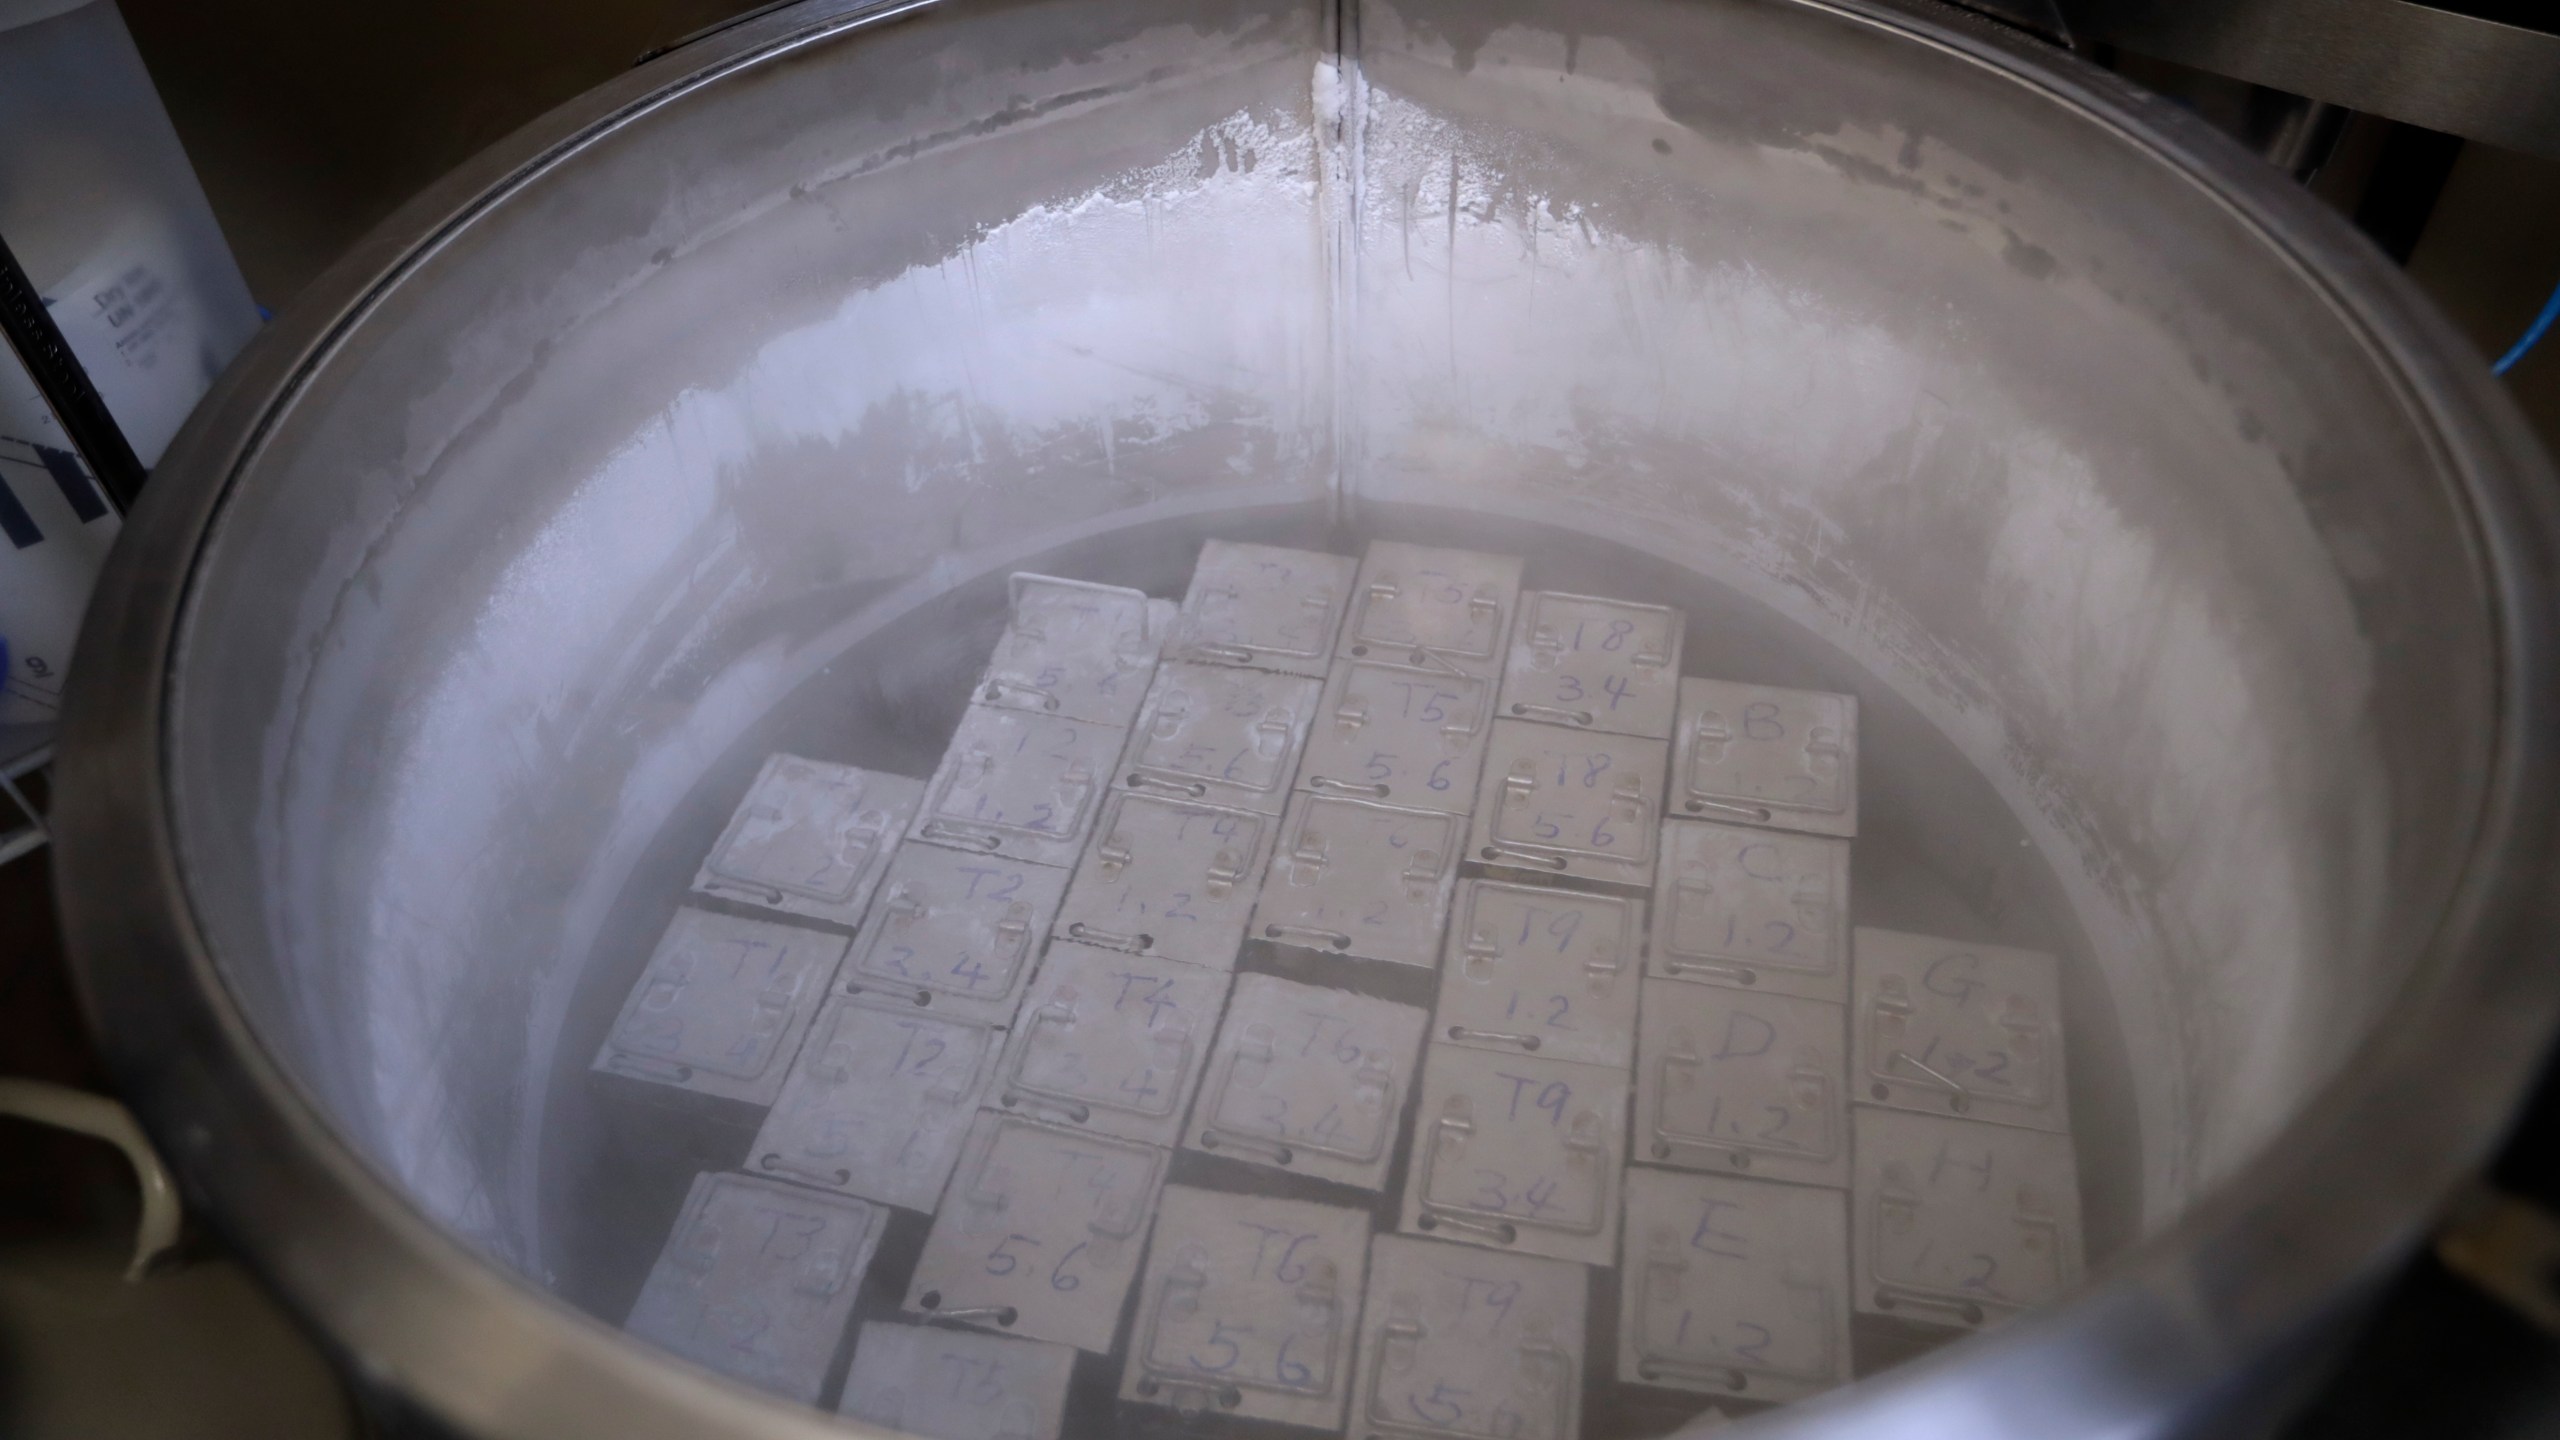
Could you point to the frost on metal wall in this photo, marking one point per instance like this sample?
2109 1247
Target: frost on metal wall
971 389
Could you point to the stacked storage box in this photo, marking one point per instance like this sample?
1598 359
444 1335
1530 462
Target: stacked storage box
949 888
1737 1262
1047 991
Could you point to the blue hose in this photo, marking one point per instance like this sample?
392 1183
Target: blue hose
2541 324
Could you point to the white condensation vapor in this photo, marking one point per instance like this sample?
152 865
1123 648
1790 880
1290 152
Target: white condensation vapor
1438 270
1478 294
978 331
1340 100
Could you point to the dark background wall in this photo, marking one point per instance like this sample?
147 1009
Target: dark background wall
311 120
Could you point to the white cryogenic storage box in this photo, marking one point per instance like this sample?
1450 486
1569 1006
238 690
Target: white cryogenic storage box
1019 785
1170 878
1961 1223
1458 1343
955 933
1309 1080
1356 877
720 1009
1948 1028
758 1280
1406 734
1594 664
1248 1308
1763 909
1111 1042
1220 734
1577 804
1735 1081
810 839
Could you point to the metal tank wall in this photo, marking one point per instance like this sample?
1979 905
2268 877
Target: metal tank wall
2014 416
619 465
